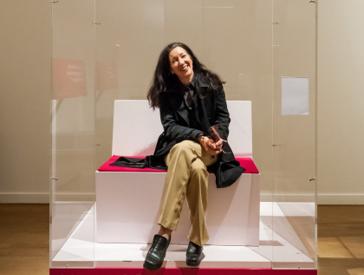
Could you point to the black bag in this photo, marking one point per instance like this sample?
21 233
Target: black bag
227 169
227 173
147 162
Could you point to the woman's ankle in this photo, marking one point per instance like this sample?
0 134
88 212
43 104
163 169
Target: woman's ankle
165 232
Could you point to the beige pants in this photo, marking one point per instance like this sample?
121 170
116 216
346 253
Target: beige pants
187 177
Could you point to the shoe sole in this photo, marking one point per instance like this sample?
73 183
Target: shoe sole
193 263
150 266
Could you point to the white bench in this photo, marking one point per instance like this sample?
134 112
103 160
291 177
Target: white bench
127 202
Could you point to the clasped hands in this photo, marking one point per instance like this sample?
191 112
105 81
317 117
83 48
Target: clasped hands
210 146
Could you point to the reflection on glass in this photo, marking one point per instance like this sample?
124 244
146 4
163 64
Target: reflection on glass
69 78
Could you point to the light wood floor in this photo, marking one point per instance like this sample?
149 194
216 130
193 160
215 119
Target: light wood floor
24 240
341 240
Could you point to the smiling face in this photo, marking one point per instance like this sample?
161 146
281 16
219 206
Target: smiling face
181 64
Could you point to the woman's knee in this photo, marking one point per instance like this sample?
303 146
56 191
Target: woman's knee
185 146
198 168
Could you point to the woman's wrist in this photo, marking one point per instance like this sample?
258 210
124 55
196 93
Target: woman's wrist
203 139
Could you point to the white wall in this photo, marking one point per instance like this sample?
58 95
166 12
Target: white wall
341 101
25 89
25 52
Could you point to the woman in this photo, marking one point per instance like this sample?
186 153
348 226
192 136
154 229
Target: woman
191 99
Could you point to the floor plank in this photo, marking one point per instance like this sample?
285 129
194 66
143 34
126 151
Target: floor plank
341 240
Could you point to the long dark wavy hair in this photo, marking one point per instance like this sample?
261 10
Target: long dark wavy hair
164 80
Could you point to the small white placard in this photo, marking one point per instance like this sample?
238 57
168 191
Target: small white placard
295 96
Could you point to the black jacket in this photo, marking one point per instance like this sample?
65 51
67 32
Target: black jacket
209 109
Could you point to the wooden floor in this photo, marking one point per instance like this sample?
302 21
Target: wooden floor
341 240
24 240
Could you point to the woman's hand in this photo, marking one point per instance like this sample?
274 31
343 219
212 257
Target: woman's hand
211 147
218 144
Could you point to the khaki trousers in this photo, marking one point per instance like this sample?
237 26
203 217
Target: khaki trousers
187 177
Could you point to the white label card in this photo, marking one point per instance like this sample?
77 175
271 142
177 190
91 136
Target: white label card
294 96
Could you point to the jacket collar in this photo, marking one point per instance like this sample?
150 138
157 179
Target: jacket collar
199 86
175 96
199 82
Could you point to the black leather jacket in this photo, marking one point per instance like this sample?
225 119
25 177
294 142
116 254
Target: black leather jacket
209 109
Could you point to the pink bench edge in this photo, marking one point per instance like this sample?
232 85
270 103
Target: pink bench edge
245 162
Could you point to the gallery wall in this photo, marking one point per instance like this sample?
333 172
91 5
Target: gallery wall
25 86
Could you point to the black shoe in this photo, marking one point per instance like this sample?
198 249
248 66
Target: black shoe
156 253
194 254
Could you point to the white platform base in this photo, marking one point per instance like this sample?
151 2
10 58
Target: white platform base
278 243
127 209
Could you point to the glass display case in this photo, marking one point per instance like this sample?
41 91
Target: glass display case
105 51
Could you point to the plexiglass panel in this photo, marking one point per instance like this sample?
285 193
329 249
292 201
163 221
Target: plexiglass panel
294 137
264 50
73 133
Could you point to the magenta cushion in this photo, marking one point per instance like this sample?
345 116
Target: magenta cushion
246 162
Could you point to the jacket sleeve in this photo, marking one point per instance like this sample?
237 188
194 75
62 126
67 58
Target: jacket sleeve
222 117
175 131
